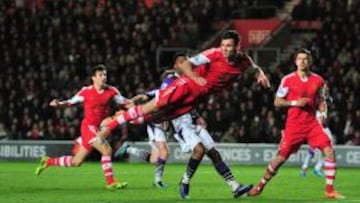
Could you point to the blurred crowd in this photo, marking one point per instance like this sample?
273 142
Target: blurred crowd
49 46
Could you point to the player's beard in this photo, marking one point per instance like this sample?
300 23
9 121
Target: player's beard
232 56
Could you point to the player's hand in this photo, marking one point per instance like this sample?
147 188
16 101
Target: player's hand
263 80
302 102
323 118
54 103
200 80
128 104
201 122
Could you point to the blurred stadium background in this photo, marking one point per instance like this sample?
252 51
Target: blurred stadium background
48 46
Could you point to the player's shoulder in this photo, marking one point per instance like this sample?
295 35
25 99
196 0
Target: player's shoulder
86 88
212 51
289 76
316 76
112 89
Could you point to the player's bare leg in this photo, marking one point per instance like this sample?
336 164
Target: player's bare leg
220 166
330 173
129 115
157 156
106 151
63 161
270 172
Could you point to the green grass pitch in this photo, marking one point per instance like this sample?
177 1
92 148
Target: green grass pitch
86 184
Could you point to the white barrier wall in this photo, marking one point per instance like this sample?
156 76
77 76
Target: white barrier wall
259 154
243 154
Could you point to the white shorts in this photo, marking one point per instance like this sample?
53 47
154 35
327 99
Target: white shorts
189 134
155 134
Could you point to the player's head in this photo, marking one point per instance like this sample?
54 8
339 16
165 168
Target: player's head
303 59
99 75
178 58
229 44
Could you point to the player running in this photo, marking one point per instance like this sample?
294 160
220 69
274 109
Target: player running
96 100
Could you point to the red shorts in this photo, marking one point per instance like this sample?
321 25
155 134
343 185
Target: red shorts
180 97
295 135
88 135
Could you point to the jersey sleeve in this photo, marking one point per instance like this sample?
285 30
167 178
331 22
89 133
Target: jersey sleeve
79 97
283 89
204 57
118 98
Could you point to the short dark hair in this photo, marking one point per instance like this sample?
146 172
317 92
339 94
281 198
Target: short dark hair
179 54
96 68
231 34
303 51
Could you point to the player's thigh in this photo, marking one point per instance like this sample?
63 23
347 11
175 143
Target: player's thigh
162 148
206 138
190 136
175 93
318 138
183 146
150 107
291 141
88 135
155 134
80 156
154 155
102 146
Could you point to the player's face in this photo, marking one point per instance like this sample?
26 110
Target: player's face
179 60
302 61
228 47
100 78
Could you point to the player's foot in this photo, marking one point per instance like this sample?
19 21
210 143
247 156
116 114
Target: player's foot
184 190
117 185
160 185
318 173
303 172
42 166
242 189
122 150
334 195
255 191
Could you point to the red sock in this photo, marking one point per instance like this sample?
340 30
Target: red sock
330 171
107 169
271 171
64 161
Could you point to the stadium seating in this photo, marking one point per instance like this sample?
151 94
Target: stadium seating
48 47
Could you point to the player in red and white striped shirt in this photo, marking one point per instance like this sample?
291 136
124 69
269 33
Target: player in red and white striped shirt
301 91
96 100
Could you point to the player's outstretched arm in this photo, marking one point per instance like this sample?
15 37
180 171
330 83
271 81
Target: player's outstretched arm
57 103
187 69
139 99
259 74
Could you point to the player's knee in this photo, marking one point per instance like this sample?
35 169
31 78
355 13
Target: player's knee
214 155
281 158
76 163
108 151
329 152
164 154
199 151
